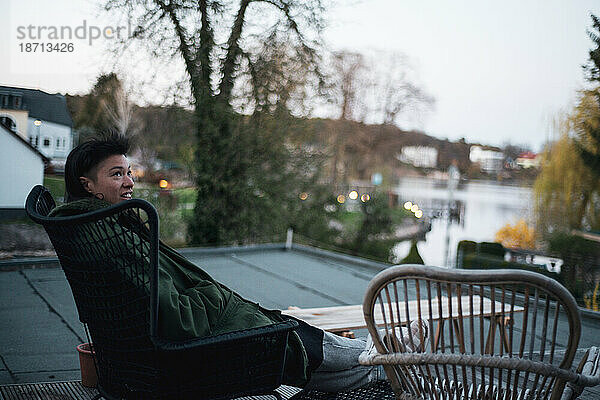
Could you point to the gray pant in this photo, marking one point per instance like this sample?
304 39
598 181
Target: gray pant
340 370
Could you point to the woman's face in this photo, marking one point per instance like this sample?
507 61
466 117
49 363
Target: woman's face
113 183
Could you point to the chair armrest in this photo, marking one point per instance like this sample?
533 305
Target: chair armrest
590 364
277 329
517 364
589 367
228 365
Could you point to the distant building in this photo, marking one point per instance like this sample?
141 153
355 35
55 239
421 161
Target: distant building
528 159
21 168
419 156
40 118
491 161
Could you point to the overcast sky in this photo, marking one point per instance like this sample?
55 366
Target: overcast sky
499 71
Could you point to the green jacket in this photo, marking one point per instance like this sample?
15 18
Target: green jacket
192 304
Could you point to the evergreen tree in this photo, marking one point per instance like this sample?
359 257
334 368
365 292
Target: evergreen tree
375 236
413 256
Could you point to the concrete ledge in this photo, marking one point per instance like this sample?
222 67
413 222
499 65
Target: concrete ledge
340 257
33 262
589 313
12 213
36 261
231 249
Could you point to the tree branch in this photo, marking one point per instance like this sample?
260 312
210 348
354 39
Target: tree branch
233 51
207 43
184 46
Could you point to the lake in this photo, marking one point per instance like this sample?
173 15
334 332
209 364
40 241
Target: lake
479 210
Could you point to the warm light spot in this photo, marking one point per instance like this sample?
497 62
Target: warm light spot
163 184
353 195
341 199
418 213
303 196
37 122
408 205
365 197
414 208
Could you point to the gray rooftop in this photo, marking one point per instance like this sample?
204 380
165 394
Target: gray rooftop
50 107
40 327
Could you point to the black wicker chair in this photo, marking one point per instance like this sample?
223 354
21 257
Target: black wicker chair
110 258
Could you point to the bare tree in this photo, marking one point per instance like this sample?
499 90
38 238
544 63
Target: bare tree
378 88
393 92
349 69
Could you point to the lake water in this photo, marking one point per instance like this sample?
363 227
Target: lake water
479 210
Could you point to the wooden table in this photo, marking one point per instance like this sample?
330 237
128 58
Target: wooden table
346 318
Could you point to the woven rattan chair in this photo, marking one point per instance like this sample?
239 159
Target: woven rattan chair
502 334
110 259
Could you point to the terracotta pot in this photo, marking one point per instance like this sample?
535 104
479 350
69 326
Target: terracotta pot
89 377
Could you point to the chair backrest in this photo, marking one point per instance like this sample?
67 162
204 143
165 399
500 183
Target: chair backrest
109 257
491 334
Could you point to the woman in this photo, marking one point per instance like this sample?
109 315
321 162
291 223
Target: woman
191 303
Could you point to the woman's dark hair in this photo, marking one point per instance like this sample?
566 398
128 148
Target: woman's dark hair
83 160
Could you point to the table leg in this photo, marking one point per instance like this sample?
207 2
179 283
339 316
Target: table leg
438 333
459 335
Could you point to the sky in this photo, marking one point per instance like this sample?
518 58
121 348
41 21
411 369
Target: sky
499 71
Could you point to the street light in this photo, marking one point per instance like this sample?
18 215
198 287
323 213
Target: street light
453 178
37 123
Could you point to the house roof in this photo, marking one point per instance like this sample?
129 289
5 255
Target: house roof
4 128
528 155
42 105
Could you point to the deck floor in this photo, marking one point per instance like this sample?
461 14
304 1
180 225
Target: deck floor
74 390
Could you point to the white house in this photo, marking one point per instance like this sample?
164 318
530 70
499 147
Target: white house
419 156
528 159
491 161
40 118
21 168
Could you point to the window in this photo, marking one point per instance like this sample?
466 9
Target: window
9 122
46 142
17 101
58 143
4 101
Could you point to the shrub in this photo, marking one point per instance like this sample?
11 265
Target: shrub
413 256
475 261
519 235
